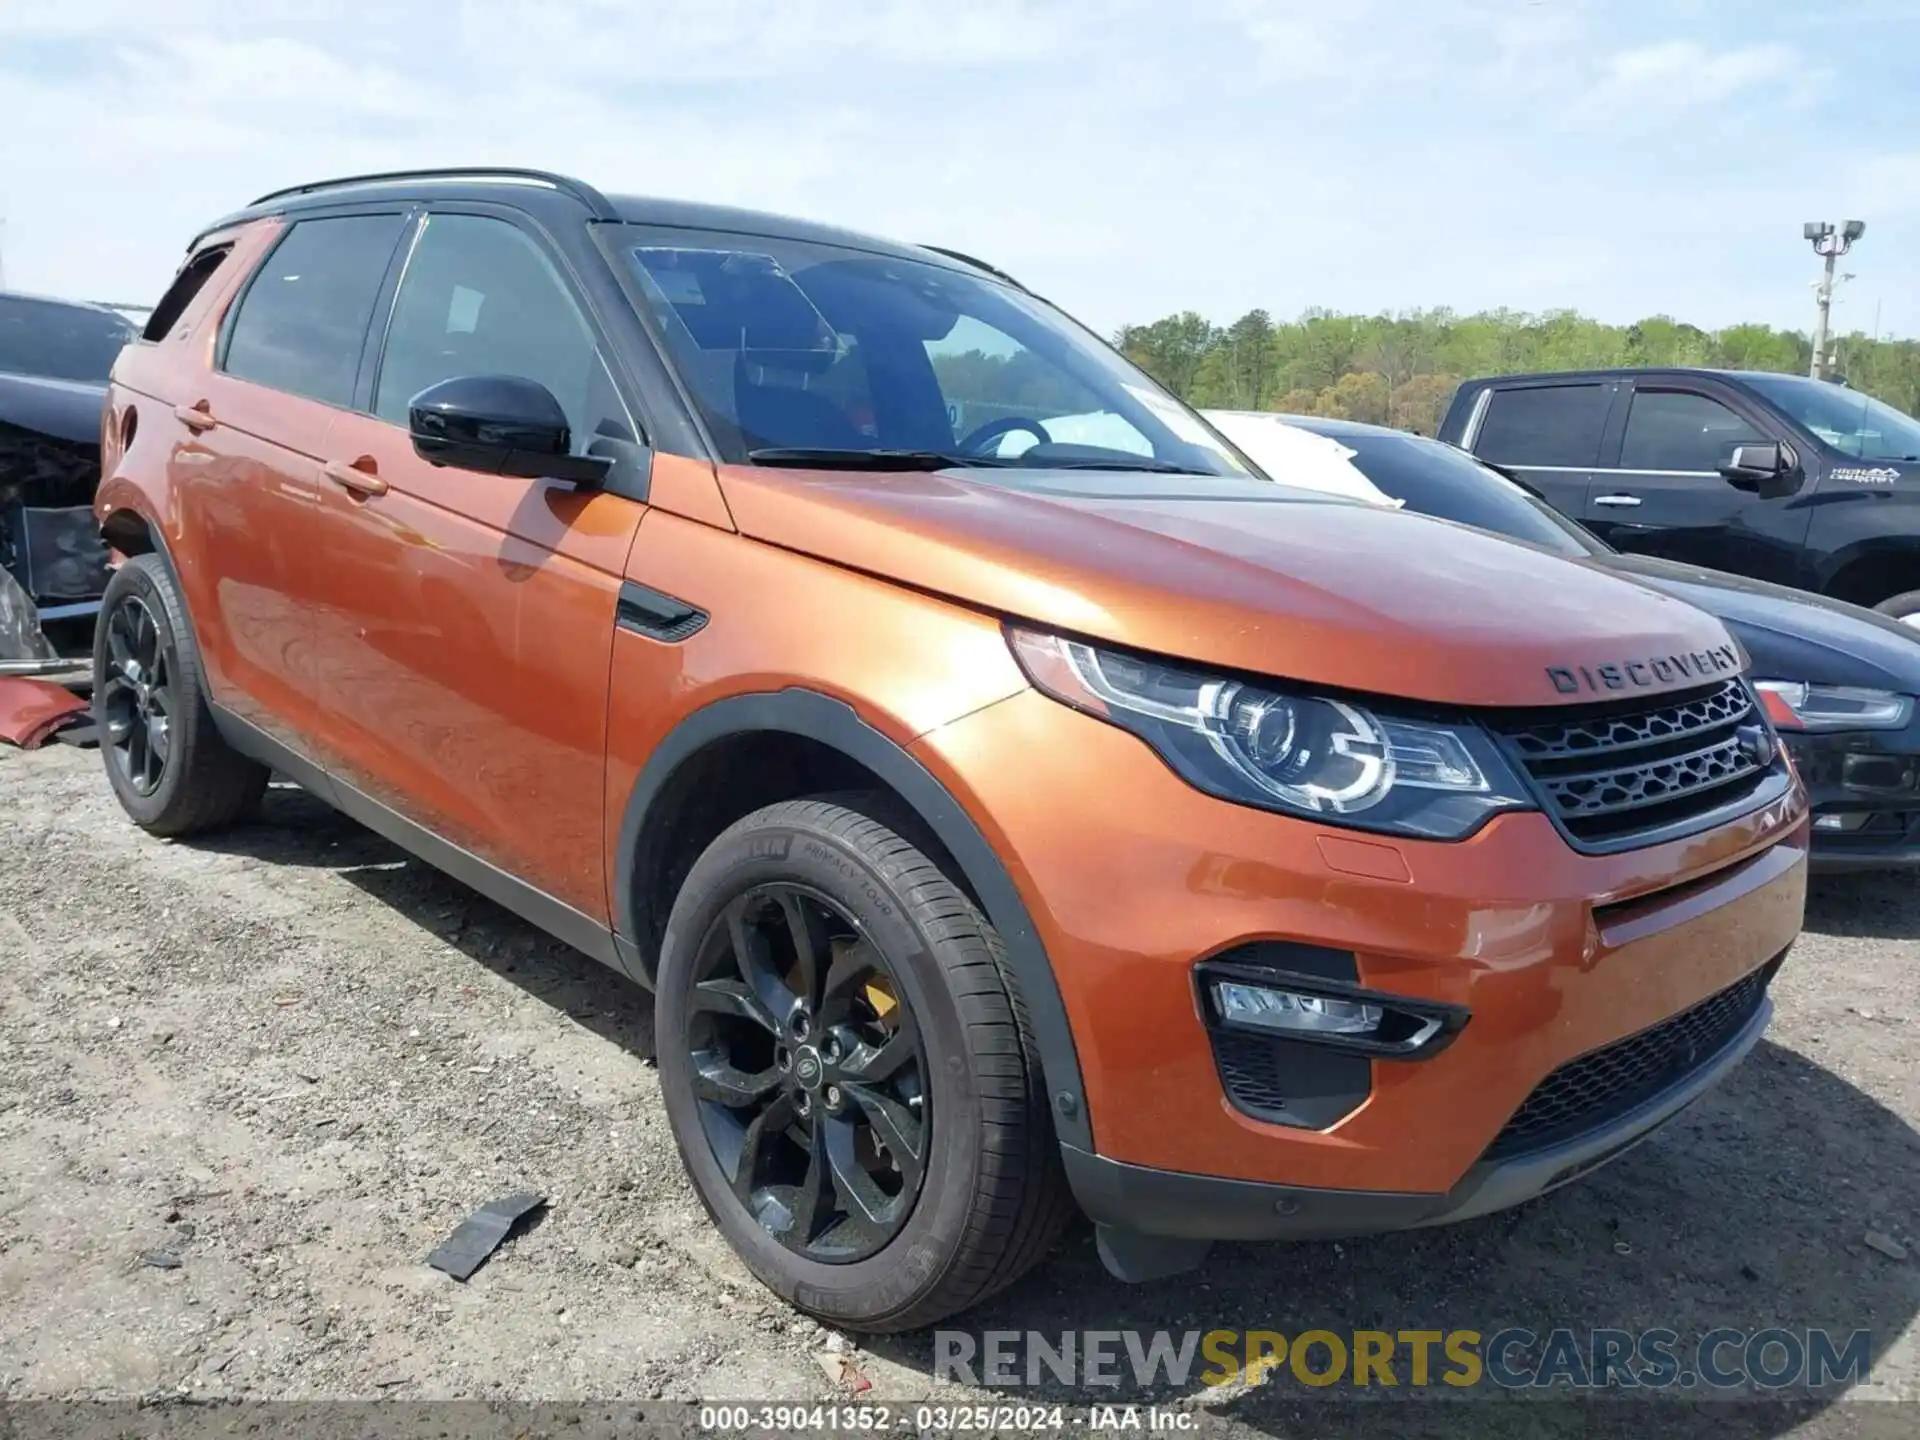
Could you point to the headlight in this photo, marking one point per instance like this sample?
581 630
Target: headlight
1330 759
1792 705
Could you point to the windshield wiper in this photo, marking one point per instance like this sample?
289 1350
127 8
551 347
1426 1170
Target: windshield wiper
1146 467
811 457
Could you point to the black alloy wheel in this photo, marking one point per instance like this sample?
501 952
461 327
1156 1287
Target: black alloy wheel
809 1073
137 698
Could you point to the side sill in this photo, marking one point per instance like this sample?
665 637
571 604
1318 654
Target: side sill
559 919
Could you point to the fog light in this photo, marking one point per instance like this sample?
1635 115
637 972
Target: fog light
1840 820
1297 1011
1288 1010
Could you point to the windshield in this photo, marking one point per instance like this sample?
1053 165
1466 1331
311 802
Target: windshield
1436 479
1853 423
60 342
807 352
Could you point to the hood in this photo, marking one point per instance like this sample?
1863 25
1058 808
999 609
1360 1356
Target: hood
1791 634
65 409
1246 575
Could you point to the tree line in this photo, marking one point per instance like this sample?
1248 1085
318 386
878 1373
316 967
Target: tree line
1401 370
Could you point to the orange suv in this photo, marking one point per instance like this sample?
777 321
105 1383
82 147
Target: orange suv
1005 821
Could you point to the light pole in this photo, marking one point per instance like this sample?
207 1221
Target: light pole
1830 244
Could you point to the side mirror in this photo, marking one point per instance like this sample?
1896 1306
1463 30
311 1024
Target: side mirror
499 425
1766 470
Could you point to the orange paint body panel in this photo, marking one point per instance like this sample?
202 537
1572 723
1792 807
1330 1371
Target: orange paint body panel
463 630
1265 586
904 662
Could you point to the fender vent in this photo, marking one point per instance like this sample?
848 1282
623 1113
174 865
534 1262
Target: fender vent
657 616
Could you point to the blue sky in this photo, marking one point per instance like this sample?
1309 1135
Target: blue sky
1125 157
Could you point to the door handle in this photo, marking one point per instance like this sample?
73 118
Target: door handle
352 478
195 417
1616 499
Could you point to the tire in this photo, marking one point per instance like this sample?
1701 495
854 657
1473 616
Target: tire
991 1196
1904 608
179 777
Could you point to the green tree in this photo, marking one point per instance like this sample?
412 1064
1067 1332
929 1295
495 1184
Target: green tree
1403 369
1171 350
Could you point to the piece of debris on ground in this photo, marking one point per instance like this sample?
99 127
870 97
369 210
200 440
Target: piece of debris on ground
483 1232
32 710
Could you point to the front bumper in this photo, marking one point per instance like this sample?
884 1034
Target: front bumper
1132 877
1865 789
1204 1207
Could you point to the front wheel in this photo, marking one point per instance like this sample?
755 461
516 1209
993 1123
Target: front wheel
849 1073
1904 608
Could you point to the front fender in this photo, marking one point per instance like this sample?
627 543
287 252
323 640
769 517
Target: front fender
831 722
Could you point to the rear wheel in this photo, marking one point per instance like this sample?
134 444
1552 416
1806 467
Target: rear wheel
169 767
1904 608
849 1074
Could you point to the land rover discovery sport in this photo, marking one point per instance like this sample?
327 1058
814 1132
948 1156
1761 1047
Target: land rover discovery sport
1101 825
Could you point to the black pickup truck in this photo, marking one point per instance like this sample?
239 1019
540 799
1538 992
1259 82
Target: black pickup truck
54 359
1796 481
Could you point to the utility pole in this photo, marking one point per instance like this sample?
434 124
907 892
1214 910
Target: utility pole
1830 244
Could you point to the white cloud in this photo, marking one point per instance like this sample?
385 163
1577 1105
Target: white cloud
1125 157
1680 73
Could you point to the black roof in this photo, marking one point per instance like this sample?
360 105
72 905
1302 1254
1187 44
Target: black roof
561 198
1328 425
1625 372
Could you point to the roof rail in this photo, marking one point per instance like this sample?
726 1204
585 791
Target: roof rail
579 189
966 259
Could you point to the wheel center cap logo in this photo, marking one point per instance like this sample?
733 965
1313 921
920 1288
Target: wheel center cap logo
806 1066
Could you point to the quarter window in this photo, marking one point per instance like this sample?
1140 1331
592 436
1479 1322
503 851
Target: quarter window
1679 430
303 320
186 285
1545 425
480 298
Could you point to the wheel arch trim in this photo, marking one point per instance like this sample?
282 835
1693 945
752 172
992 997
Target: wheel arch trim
809 715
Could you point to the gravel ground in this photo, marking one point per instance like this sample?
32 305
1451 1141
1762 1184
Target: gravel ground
246 1084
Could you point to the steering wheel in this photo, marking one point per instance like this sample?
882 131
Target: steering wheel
977 441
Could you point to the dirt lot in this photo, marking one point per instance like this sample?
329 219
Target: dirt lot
285 1063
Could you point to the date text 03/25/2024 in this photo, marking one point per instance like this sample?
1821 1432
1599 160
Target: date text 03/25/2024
943 1419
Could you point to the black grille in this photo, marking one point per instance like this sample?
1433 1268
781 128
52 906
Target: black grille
1612 777
1290 1082
1598 1087
1247 1069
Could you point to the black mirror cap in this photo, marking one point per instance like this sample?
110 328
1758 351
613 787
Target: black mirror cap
1764 468
498 425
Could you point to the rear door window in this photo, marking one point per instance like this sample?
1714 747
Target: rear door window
1545 425
303 319
1681 430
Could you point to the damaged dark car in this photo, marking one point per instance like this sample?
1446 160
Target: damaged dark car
55 356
